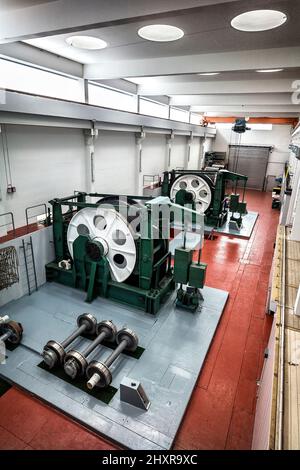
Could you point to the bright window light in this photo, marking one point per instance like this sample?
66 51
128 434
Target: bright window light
153 108
160 33
258 20
260 127
269 70
195 119
179 115
86 42
20 77
109 98
209 74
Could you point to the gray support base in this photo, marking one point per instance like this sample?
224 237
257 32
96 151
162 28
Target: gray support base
168 373
245 232
249 220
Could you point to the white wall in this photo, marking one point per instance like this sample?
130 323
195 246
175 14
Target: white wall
53 162
43 249
115 160
154 154
45 163
194 154
178 154
279 137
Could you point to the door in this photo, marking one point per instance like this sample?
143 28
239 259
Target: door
251 161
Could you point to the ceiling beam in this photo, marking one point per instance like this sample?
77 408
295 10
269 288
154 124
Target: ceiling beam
63 16
232 99
285 57
47 60
273 85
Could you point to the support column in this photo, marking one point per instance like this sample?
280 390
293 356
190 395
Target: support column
168 160
91 136
201 154
139 137
188 153
3 189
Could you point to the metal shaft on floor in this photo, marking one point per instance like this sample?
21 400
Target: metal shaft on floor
73 336
116 353
54 352
76 362
5 336
98 373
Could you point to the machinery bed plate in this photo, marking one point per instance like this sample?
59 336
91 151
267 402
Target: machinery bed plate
249 222
175 341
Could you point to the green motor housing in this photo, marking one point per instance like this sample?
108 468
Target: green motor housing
242 208
182 260
197 274
234 202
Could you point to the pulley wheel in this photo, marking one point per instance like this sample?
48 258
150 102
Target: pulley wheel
109 235
199 188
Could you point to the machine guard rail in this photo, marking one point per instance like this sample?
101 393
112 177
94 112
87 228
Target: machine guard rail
36 215
9 223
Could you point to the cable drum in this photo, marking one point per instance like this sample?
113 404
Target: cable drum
200 187
109 235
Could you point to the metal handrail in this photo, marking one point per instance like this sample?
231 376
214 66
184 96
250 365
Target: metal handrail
281 374
9 223
36 215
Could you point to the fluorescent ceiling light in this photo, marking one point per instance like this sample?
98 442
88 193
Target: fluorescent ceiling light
259 20
86 42
160 32
269 70
209 74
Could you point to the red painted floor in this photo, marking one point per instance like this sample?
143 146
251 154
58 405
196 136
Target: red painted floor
20 231
221 411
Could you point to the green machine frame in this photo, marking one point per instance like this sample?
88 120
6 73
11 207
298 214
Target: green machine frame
146 288
222 203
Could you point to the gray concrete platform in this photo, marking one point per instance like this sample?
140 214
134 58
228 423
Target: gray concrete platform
249 221
175 341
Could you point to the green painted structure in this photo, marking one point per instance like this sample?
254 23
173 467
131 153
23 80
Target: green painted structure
222 203
146 288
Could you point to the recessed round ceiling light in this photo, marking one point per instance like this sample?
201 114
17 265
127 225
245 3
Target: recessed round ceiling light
86 42
259 20
209 74
160 32
269 70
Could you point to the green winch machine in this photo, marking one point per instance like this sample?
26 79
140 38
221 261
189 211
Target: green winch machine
206 191
101 248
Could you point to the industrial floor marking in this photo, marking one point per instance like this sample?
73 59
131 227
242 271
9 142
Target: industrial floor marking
175 341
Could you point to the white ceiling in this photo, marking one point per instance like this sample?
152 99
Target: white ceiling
209 44
206 30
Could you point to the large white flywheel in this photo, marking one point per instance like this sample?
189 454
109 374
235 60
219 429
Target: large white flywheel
197 186
109 229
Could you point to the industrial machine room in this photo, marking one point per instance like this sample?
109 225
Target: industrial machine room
149 228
